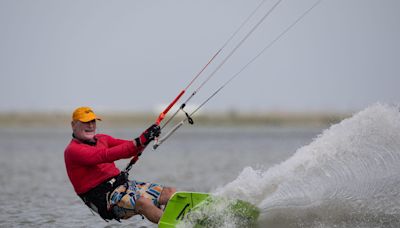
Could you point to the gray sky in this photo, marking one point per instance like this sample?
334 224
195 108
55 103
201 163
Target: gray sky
136 55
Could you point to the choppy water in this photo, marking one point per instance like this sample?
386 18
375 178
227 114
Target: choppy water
348 176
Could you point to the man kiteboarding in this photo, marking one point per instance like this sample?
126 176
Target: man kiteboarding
89 160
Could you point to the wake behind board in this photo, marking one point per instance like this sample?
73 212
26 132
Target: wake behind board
203 210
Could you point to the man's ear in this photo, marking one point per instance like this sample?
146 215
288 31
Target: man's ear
73 124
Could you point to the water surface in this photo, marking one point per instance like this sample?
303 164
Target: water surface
347 175
36 191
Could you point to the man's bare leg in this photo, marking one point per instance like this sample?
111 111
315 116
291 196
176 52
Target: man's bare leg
148 209
166 194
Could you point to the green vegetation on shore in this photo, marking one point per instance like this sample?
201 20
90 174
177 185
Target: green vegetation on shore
57 119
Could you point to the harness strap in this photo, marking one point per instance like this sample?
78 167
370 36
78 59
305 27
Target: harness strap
97 198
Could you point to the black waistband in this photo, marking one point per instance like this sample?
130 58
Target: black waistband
109 185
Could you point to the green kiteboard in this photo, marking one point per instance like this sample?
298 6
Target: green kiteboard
196 209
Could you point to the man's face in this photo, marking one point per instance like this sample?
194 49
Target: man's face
84 131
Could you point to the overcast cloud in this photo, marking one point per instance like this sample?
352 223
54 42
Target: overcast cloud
136 55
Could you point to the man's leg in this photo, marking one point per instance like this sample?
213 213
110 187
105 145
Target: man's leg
166 194
146 207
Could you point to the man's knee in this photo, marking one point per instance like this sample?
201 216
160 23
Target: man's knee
146 207
143 204
166 194
170 191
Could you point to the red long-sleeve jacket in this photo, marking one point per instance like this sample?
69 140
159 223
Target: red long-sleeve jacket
88 166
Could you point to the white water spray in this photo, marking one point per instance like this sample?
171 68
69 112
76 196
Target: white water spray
349 176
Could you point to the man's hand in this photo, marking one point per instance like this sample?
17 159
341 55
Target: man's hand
148 135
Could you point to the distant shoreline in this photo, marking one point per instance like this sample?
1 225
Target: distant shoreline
58 119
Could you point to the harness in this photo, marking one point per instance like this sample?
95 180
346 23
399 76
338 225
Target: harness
97 198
